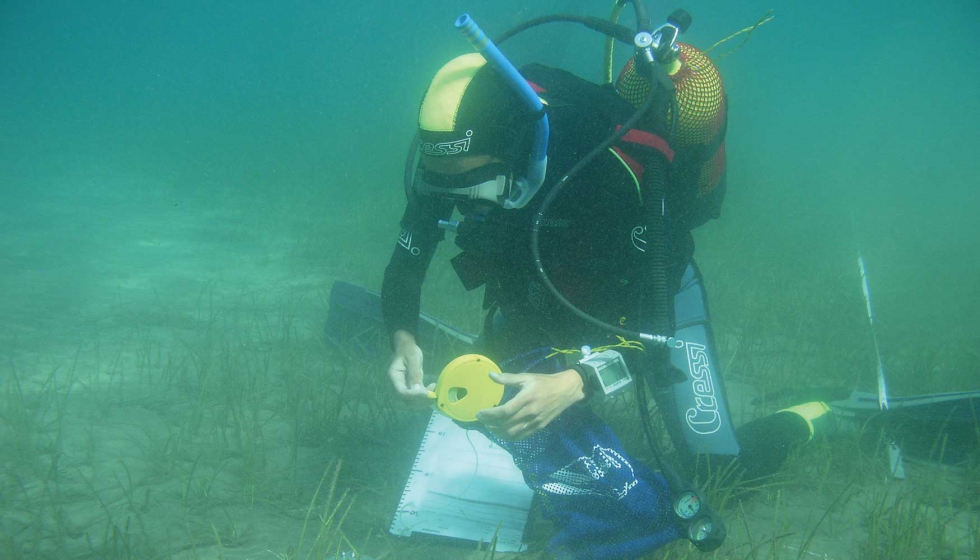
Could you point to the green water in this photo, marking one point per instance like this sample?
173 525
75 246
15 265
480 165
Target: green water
181 182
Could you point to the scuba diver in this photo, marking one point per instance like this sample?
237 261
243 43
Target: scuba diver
578 200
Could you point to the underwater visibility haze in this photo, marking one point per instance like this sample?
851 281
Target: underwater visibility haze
181 183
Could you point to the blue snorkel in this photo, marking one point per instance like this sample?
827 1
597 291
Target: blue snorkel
524 187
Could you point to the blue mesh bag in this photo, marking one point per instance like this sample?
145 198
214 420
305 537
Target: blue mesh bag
605 504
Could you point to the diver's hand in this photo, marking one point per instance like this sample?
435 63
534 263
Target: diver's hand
540 400
405 369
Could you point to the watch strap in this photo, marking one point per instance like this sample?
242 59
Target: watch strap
588 383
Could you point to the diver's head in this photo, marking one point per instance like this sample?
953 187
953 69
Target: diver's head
474 132
468 110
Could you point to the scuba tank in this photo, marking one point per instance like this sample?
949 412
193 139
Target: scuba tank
698 134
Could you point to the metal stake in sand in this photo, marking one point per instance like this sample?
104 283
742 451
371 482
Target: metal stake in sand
895 464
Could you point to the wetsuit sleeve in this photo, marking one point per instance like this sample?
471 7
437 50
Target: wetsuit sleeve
401 289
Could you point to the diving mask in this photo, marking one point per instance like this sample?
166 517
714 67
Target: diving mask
492 182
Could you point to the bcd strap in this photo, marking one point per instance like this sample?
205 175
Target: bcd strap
650 140
647 140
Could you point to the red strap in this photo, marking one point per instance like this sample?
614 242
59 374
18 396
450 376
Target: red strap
536 87
645 138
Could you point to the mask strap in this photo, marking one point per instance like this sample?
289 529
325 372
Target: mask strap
493 190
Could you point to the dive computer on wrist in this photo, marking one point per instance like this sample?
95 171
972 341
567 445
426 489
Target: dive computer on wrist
604 373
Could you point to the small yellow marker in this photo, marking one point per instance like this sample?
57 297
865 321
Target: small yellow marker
465 387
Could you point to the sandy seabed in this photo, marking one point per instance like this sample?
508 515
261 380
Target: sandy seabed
167 392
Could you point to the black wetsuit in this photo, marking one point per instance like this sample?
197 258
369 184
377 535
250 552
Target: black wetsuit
594 239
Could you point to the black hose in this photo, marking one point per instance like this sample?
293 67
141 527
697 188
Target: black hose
657 230
550 198
642 17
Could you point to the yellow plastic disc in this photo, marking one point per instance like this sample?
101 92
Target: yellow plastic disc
465 388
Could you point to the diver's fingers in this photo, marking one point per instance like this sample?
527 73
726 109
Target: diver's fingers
397 370
511 427
401 378
503 415
413 359
518 427
521 431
